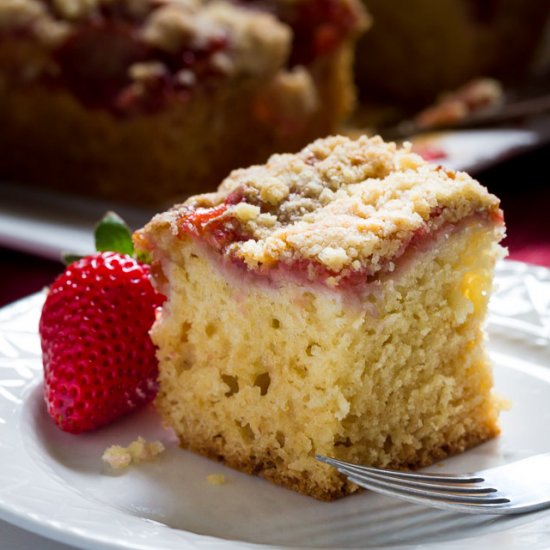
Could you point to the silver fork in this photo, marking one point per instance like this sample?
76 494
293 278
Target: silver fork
515 488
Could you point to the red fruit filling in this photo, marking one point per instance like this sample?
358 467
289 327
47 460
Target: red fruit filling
95 65
319 26
213 225
94 61
187 71
218 229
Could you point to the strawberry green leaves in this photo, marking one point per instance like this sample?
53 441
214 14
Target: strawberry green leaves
113 235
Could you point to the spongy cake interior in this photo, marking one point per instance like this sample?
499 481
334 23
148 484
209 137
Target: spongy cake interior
265 375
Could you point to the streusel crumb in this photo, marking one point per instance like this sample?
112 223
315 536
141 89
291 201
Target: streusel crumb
138 451
216 479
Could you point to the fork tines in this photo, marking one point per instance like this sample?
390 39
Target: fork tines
467 489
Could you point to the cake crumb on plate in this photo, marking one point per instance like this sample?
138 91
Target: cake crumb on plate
216 479
136 452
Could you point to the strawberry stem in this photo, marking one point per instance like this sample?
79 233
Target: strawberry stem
112 234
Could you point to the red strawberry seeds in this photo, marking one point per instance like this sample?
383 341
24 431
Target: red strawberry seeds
99 361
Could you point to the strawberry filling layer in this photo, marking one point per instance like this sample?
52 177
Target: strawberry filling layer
214 226
95 64
319 26
218 229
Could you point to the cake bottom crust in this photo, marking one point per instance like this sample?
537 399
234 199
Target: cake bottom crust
338 486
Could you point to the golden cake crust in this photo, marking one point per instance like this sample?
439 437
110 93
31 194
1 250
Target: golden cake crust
338 485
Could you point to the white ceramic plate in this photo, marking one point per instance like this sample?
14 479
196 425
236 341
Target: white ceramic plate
47 223
54 483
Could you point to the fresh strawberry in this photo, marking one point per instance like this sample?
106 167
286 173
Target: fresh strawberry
99 361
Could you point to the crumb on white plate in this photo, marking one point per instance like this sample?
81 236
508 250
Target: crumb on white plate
503 403
216 479
138 451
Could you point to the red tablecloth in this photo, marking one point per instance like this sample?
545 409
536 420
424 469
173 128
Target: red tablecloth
521 183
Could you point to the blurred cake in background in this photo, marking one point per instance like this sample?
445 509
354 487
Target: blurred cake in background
417 49
149 100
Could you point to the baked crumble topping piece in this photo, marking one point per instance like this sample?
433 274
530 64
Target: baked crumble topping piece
138 451
345 210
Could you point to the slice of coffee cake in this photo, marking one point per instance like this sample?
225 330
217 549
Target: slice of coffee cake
328 302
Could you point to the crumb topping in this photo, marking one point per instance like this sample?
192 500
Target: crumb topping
138 451
259 44
341 204
157 48
261 38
